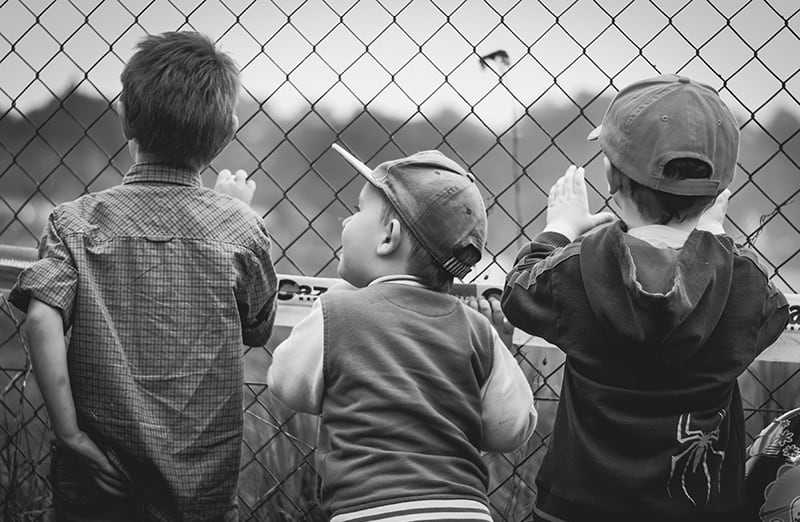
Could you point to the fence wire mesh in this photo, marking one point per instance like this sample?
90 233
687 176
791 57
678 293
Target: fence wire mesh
508 88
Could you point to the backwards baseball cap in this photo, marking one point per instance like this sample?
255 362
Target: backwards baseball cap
439 203
653 121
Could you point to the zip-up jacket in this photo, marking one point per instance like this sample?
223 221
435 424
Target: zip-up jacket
650 423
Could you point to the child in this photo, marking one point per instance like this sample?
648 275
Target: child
658 315
412 384
160 281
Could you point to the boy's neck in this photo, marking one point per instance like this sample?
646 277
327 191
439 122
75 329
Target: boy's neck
146 157
390 271
686 225
634 219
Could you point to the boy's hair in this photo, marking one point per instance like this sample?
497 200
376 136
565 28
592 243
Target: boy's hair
440 208
419 263
662 207
179 93
652 122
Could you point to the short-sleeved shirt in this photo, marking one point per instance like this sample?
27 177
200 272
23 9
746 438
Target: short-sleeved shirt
161 281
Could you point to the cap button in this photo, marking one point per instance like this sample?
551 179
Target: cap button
684 79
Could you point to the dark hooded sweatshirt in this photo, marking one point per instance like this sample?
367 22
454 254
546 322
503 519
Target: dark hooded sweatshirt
650 423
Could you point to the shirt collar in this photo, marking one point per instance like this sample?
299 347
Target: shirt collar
159 173
661 236
402 279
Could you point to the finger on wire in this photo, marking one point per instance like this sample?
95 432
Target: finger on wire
724 197
224 175
602 218
558 189
484 307
569 180
240 176
497 311
579 183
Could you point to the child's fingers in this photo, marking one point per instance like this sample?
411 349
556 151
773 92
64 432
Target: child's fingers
558 191
498 317
240 176
602 218
723 198
569 180
579 181
110 483
485 308
555 191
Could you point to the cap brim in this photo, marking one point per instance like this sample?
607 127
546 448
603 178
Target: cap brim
355 162
595 133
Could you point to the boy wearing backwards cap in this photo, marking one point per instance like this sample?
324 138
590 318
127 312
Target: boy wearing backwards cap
658 315
411 383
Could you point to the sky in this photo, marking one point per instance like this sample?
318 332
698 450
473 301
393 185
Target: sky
401 57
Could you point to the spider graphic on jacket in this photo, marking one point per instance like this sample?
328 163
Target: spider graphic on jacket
695 470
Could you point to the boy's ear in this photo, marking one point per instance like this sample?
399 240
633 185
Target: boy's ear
391 240
123 119
231 131
612 176
234 126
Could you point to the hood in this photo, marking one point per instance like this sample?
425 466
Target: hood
666 301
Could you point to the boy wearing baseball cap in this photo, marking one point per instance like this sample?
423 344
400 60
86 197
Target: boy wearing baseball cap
658 315
411 383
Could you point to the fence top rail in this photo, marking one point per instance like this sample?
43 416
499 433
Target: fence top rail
297 293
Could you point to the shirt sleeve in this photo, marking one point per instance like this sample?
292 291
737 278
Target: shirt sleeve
509 414
775 311
295 376
527 299
53 279
774 317
256 293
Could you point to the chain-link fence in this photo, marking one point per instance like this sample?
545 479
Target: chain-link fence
508 88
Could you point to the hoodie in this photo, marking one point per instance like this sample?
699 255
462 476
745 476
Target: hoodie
650 424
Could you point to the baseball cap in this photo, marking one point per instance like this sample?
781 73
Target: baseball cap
653 121
438 201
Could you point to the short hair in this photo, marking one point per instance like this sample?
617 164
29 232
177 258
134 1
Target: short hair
180 94
419 263
662 207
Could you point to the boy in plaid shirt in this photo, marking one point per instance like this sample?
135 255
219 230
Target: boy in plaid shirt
160 281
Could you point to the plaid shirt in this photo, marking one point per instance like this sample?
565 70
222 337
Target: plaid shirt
161 280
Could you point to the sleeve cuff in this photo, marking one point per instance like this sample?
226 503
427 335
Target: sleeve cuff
52 282
555 239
